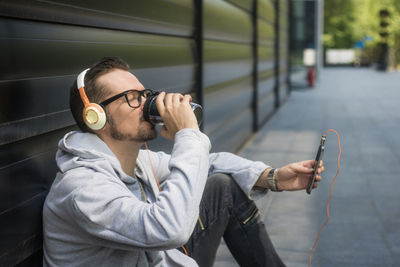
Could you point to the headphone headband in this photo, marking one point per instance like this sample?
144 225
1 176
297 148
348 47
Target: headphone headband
81 79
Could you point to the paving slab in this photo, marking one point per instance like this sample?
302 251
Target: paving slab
363 105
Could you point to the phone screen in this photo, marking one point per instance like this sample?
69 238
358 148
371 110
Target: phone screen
318 160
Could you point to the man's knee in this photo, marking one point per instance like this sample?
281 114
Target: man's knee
220 179
225 184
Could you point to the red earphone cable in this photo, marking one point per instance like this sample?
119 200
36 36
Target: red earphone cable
330 195
151 165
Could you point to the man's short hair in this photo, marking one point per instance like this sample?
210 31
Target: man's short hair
95 92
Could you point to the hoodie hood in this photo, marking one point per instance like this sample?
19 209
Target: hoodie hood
78 149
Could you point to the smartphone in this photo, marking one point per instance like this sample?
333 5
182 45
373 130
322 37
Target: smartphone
318 158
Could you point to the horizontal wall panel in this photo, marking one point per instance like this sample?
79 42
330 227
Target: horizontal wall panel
40 49
21 231
22 99
26 172
266 65
19 152
266 95
266 10
170 79
28 167
266 85
225 61
224 21
267 74
224 51
266 54
25 180
266 31
215 73
155 16
266 105
224 101
18 130
233 133
245 4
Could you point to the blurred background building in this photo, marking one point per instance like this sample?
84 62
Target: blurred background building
306 26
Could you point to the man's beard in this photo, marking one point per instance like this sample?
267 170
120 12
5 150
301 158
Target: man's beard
144 134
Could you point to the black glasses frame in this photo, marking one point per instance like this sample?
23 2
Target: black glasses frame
142 93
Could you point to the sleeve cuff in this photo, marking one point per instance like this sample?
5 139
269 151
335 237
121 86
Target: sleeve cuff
193 133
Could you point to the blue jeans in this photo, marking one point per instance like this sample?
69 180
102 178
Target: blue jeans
225 211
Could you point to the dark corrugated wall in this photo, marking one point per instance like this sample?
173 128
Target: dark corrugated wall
230 55
267 58
283 49
228 73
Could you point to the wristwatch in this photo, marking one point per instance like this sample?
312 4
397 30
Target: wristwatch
271 180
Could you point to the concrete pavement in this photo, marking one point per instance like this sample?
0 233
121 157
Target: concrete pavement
363 105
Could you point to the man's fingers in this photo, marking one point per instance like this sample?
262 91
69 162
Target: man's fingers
321 168
304 168
168 102
176 99
308 163
160 103
312 164
187 98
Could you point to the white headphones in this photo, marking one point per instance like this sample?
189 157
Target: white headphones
94 115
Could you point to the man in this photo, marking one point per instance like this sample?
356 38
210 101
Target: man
106 208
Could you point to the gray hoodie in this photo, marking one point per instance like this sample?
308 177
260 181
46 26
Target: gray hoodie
96 215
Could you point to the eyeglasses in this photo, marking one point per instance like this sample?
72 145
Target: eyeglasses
132 97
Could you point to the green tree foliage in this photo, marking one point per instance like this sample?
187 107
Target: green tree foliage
339 23
348 21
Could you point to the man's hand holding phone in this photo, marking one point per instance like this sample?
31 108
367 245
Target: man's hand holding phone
297 176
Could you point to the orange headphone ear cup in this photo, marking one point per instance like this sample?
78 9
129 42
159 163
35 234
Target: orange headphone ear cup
94 116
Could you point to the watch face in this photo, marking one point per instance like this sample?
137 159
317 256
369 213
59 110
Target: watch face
271 173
